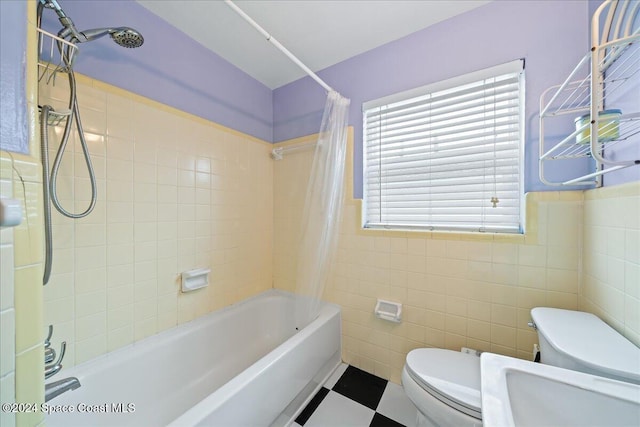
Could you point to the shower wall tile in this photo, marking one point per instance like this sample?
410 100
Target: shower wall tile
119 338
58 310
6 274
30 384
91 98
28 293
7 342
21 295
174 193
30 232
8 395
88 349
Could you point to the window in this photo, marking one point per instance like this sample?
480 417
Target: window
447 156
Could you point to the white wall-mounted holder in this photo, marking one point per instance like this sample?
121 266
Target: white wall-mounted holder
388 310
10 212
195 279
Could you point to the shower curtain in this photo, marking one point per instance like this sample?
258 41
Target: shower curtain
322 209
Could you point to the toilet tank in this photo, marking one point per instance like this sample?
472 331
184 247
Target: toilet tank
583 342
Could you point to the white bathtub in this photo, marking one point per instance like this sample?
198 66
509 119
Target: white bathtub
245 365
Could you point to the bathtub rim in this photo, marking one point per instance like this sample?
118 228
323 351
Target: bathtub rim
194 415
104 362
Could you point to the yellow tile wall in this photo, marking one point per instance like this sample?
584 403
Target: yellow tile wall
7 305
175 192
290 176
21 350
457 289
611 261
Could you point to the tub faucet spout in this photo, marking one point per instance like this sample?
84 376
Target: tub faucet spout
56 388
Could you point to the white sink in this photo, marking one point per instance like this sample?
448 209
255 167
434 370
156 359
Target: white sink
520 393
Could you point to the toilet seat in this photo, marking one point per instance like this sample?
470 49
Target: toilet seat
449 376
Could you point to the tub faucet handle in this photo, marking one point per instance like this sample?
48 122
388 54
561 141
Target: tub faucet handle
49 355
51 370
54 368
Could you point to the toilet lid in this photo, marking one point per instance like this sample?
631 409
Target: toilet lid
450 376
588 340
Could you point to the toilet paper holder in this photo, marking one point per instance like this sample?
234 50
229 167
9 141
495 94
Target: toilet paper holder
388 310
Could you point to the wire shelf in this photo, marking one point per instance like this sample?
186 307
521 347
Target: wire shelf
56 118
602 77
54 55
574 96
571 147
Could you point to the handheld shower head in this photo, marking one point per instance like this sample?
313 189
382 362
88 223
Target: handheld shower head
124 36
128 37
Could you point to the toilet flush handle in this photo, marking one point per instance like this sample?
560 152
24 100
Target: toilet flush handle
532 325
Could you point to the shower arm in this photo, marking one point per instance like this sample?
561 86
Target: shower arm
67 23
277 44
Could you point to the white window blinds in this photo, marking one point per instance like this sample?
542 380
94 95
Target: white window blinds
441 156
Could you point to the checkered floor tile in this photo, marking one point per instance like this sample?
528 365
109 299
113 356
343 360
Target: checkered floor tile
352 397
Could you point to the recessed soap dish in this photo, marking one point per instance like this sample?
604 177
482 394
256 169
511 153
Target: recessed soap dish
195 279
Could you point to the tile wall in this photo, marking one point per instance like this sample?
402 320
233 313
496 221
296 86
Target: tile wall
25 247
7 305
21 349
175 192
456 289
611 261
290 177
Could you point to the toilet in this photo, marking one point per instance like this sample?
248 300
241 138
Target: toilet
444 385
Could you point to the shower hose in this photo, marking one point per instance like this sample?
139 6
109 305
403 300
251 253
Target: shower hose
50 195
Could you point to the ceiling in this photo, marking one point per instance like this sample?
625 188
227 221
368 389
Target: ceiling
320 33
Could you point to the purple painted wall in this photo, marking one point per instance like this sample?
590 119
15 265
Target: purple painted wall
552 36
13 102
174 69
170 67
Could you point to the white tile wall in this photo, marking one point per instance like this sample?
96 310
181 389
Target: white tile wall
611 260
21 379
7 309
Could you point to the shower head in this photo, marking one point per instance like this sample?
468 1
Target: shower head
124 36
128 37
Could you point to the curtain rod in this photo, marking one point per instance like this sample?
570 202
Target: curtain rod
277 44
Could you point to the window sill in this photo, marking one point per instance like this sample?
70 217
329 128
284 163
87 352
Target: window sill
530 236
441 234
